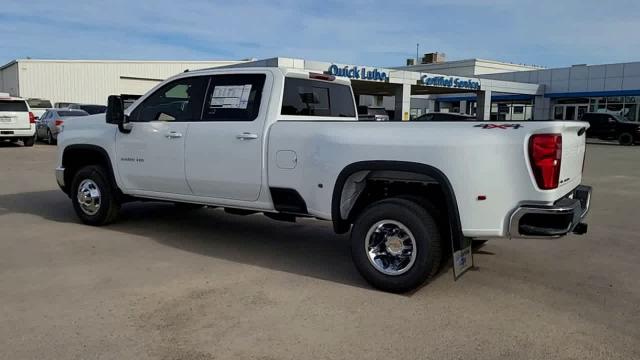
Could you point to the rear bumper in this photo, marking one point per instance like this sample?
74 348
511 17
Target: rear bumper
552 221
17 133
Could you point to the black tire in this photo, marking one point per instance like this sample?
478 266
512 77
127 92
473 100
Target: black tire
28 142
50 139
187 206
625 139
109 206
420 222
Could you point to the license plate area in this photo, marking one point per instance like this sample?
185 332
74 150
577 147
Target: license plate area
6 132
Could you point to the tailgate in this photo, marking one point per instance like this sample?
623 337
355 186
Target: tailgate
14 114
573 151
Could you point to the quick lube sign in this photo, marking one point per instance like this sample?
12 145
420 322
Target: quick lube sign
358 73
450 82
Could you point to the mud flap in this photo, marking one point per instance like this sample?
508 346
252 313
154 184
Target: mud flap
462 255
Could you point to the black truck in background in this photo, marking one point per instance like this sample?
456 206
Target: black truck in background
606 126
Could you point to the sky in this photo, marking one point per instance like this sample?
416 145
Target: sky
550 33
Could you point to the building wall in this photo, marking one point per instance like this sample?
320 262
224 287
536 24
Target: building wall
580 78
9 80
610 88
92 82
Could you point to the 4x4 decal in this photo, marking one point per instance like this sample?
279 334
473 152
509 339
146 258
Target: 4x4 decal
499 126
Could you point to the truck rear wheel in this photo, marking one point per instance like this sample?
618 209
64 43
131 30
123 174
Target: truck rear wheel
93 196
396 245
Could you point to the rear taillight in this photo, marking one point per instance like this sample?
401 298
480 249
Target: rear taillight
545 153
59 122
32 118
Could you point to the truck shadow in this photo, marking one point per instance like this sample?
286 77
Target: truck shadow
9 144
308 247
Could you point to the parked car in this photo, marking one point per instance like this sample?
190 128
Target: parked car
90 108
287 143
608 126
38 106
441 116
52 121
17 122
63 105
372 113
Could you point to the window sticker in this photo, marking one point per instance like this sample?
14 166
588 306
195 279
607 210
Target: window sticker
230 97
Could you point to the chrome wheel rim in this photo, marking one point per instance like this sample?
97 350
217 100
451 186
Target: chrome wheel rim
390 247
89 197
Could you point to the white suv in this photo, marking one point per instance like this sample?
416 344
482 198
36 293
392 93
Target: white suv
17 122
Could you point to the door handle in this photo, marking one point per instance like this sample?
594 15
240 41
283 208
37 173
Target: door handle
173 135
246 136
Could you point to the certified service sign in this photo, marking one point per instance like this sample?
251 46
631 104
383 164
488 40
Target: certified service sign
453 82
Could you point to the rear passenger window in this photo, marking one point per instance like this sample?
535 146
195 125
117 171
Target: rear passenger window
316 98
13 105
233 97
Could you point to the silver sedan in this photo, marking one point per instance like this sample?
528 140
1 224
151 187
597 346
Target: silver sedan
50 122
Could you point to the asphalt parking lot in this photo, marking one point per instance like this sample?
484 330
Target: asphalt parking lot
164 284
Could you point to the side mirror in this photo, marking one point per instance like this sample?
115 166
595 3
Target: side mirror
115 113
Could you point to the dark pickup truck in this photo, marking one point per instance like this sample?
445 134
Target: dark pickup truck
608 126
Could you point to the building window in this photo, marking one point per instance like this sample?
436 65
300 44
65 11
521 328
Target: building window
558 113
627 107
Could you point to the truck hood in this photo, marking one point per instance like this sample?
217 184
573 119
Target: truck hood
85 122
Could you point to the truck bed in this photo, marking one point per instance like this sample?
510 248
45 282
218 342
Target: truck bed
489 159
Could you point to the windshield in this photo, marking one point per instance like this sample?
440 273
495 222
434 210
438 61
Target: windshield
13 105
72 113
39 104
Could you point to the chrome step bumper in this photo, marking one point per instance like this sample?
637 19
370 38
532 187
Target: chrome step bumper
552 221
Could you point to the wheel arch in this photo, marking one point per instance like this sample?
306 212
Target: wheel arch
77 156
342 225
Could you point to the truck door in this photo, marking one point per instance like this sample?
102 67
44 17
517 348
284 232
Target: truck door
224 150
151 156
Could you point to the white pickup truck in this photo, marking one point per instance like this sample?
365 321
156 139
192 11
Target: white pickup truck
288 143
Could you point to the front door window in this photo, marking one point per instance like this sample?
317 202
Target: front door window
180 100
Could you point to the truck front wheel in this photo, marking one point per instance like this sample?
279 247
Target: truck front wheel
93 196
396 245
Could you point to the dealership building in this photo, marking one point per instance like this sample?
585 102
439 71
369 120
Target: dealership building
486 89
